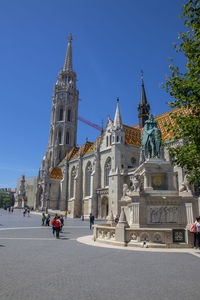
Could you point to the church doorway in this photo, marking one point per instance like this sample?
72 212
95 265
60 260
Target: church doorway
104 207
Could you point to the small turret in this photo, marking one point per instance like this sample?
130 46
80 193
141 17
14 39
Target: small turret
117 128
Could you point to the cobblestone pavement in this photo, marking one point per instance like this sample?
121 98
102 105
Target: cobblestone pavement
34 265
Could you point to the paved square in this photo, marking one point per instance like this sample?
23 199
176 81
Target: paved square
34 265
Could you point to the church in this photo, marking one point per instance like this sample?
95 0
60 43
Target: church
91 178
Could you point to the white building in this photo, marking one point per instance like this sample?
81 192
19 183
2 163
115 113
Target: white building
90 178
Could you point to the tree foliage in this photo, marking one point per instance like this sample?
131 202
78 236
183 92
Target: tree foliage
184 88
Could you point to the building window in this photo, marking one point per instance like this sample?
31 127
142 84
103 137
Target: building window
67 137
69 115
60 137
107 141
61 114
88 173
110 140
107 171
117 139
73 174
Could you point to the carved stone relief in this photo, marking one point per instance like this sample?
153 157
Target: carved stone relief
162 214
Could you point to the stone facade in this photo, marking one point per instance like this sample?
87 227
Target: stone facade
110 173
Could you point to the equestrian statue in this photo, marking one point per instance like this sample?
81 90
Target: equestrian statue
151 139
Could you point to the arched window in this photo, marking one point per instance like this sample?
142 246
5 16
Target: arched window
107 168
69 115
73 174
61 114
107 141
110 140
51 137
67 137
117 139
59 137
88 173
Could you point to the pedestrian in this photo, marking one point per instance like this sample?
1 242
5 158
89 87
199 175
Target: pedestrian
9 209
194 231
66 212
24 212
53 224
43 218
91 220
117 219
12 209
57 225
198 231
28 212
62 223
48 220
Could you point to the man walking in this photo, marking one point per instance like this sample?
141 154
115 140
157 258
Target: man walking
91 220
57 225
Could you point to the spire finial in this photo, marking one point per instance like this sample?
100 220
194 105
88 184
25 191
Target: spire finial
68 58
70 37
142 76
117 119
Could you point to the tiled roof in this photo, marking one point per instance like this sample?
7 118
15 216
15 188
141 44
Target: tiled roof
132 136
56 173
165 119
87 148
73 153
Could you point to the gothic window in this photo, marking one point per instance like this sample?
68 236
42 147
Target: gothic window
107 141
59 137
88 173
69 115
73 174
51 137
117 139
110 140
107 171
61 114
67 137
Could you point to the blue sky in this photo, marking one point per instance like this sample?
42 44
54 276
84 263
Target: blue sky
112 41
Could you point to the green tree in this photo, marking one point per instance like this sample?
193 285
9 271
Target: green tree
184 88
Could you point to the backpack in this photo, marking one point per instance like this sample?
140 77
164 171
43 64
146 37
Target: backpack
193 228
57 223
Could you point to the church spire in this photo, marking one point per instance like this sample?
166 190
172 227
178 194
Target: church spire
117 119
68 59
143 107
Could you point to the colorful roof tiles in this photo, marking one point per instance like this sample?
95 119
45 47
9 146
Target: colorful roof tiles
165 119
73 153
56 173
132 136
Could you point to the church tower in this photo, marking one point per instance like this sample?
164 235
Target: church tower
143 107
64 116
